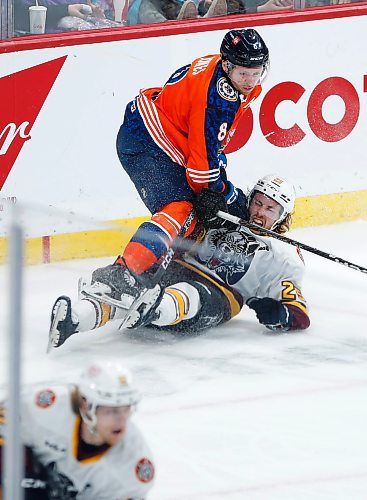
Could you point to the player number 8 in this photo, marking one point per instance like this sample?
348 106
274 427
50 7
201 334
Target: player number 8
222 131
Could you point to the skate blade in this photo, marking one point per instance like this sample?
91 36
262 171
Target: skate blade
146 299
59 313
104 299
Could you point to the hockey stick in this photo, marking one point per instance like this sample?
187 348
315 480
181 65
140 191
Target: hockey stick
150 293
303 246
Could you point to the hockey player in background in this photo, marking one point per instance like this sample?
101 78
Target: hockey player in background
208 285
172 140
81 442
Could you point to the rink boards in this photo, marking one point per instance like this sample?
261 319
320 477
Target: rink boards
63 99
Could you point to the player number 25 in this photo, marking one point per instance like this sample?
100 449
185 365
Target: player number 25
291 292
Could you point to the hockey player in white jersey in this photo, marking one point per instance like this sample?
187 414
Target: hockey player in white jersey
229 267
84 438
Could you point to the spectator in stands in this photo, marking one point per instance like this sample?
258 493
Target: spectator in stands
63 15
155 11
322 3
251 6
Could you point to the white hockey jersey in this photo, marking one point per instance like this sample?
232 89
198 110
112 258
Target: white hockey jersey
255 266
50 428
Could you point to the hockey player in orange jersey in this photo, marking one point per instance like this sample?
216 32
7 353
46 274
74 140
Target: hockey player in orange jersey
172 139
171 145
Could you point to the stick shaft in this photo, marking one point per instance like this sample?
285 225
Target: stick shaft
303 246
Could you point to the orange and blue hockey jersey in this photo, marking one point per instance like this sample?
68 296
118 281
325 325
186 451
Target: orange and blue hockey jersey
171 145
193 117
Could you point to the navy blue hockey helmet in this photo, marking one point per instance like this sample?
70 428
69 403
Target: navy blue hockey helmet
244 48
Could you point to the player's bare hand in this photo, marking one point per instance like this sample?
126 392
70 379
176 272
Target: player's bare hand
78 10
97 10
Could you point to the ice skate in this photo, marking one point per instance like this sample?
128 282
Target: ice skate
118 279
143 310
101 293
62 324
140 310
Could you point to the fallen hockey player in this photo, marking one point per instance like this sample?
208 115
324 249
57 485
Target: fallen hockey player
209 284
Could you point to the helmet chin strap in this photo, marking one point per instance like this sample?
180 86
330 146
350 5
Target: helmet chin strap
90 418
279 220
265 72
273 226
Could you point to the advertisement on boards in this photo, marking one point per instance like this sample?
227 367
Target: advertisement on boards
57 139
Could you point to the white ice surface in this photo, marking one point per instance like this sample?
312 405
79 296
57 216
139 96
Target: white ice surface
236 413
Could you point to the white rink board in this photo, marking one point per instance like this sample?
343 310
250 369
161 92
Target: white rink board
70 161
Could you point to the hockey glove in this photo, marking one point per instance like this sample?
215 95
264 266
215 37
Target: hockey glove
206 207
271 313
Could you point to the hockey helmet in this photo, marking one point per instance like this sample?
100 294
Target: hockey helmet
278 189
105 384
245 48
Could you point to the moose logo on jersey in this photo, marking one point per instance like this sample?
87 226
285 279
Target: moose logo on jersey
229 253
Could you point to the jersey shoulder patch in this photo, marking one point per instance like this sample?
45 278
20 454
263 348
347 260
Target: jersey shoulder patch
226 91
45 398
144 470
178 75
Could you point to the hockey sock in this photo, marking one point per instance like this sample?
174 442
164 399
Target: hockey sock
153 238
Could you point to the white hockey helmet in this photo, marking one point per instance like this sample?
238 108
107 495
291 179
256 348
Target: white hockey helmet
105 384
278 189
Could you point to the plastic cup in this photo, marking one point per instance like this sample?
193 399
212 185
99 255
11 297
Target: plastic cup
121 7
37 19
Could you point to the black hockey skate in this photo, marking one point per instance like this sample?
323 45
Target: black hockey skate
116 285
62 325
119 279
